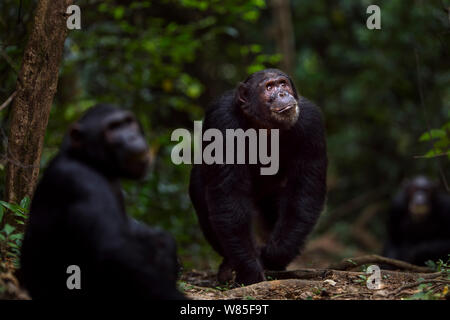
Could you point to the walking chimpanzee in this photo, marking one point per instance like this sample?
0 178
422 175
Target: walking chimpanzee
234 200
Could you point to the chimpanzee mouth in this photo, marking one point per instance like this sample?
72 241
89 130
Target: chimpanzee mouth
140 157
285 108
419 210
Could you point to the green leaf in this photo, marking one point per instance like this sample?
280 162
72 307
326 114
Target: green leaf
434 152
251 16
259 3
13 245
20 213
10 206
435 134
16 236
8 229
119 12
351 261
431 264
25 203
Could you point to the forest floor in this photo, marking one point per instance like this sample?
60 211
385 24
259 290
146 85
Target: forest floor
342 281
318 274
322 273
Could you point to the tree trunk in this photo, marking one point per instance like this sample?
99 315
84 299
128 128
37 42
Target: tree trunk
284 33
36 87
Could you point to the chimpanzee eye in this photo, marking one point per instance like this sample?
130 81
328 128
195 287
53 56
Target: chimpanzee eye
283 83
114 125
269 87
128 120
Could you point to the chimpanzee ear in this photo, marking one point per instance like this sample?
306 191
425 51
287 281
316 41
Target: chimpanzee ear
242 94
293 89
76 135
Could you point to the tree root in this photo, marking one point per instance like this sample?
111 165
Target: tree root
398 291
298 274
348 264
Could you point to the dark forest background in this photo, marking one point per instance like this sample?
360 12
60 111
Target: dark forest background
380 91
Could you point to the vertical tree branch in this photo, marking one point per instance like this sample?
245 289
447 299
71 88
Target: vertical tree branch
284 33
35 88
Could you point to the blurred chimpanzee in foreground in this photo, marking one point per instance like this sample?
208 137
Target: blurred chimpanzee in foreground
78 217
419 223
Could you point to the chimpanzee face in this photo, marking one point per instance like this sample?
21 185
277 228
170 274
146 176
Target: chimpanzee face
270 99
126 144
277 96
419 193
113 141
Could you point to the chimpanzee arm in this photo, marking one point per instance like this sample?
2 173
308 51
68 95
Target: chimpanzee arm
165 253
299 211
231 206
146 279
125 261
301 204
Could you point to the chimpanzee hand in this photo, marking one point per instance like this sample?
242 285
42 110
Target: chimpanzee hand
274 258
250 273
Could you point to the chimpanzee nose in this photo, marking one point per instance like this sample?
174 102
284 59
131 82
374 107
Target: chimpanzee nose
137 144
281 94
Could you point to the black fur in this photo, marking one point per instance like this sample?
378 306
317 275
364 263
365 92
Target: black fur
77 217
227 198
417 241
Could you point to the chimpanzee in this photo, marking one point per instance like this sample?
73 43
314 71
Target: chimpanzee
77 217
256 221
419 223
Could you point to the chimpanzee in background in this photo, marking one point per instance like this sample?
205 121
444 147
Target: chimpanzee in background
234 200
77 217
419 223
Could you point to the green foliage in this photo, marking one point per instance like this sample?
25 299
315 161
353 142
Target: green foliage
362 279
223 288
440 138
440 265
10 239
184 286
426 292
352 262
